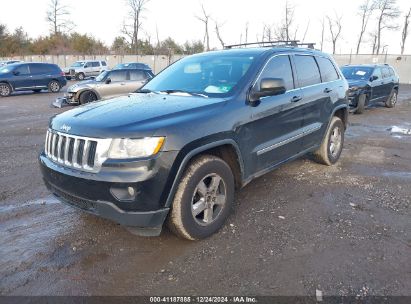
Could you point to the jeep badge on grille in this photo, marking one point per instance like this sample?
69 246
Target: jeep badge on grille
65 128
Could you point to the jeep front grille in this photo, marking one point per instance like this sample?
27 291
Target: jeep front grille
75 151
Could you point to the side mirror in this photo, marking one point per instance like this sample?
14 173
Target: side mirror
268 87
372 78
93 77
16 73
108 80
86 66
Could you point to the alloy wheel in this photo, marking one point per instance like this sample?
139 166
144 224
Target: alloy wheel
208 200
335 141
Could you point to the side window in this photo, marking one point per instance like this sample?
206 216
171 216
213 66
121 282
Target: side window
118 75
137 75
103 63
385 73
38 69
279 67
23 69
327 69
377 72
95 64
307 70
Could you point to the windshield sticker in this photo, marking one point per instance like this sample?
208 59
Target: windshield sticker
215 89
360 73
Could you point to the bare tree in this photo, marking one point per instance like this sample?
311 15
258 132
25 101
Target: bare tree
205 18
306 30
335 29
322 33
373 36
218 33
136 8
246 32
387 12
404 33
57 16
365 11
268 33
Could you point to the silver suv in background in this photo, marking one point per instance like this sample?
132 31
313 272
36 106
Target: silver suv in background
85 68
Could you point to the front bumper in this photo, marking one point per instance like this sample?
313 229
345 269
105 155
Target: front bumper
101 193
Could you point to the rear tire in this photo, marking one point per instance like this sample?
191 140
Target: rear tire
331 147
5 89
203 200
361 104
54 86
80 76
87 96
392 99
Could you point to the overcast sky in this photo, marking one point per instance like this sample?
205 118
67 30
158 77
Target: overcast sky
176 18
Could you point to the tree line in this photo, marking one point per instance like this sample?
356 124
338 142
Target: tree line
377 18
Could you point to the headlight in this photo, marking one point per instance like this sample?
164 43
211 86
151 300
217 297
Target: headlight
135 148
353 88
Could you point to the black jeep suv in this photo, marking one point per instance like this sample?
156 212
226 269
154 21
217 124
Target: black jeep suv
369 84
176 150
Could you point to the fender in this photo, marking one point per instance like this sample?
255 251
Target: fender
78 93
196 151
11 86
342 106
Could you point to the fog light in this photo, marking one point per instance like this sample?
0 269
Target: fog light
125 194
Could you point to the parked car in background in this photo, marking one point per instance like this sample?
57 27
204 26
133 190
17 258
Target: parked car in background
369 84
85 68
207 125
31 76
108 84
134 65
6 62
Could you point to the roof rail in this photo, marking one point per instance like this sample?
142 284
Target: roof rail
276 43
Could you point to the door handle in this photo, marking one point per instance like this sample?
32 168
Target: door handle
296 98
327 90
123 83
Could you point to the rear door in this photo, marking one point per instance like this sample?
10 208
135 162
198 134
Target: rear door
95 68
277 120
388 81
138 78
318 78
377 85
40 74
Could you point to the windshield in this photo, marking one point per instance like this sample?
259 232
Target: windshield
5 69
210 75
77 64
102 76
357 73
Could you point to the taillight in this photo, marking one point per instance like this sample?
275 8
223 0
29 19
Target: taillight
62 73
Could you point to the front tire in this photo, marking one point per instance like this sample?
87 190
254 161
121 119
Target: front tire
87 96
392 99
331 147
5 89
203 199
361 104
54 86
80 76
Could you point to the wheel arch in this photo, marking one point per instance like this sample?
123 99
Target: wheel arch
224 148
78 93
7 82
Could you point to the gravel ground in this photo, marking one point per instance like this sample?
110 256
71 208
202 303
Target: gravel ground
344 230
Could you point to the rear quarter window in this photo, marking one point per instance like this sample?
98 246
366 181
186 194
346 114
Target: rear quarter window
327 69
103 63
307 70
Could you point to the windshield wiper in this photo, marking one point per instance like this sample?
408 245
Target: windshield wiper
146 91
186 92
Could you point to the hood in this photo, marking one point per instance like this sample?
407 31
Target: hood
135 115
82 84
356 83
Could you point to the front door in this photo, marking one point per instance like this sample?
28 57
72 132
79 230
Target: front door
116 86
22 79
277 120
